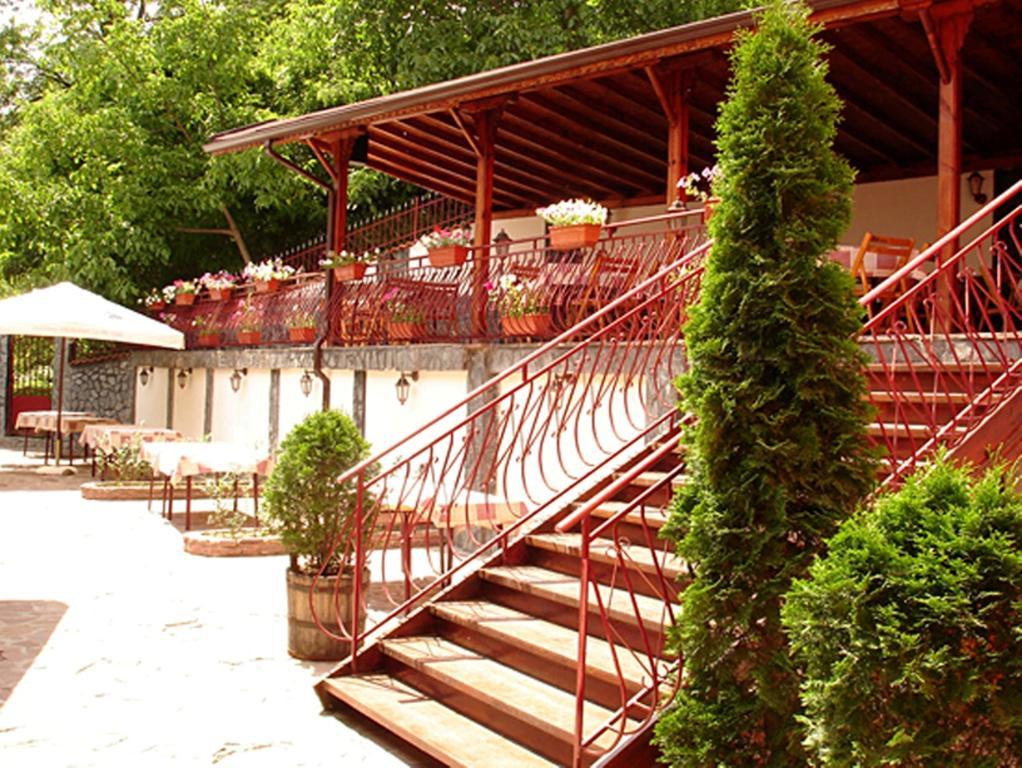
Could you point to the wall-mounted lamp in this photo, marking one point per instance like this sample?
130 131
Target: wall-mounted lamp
182 377
236 378
144 375
502 243
404 387
976 187
306 383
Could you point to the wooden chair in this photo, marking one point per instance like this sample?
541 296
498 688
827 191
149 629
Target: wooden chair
609 277
898 248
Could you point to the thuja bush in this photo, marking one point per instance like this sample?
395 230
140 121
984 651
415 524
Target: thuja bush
779 452
304 501
910 629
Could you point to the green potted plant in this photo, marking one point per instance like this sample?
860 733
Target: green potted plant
267 275
521 307
315 516
301 325
249 325
348 265
699 186
573 223
206 333
184 292
219 284
405 320
447 247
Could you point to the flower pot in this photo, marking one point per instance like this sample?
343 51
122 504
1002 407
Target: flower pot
537 325
248 337
157 306
708 208
405 331
305 640
574 236
448 255
184 299
305 335
220 294
354 271
208 339
267 286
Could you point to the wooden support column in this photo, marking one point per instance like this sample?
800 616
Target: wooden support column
672 87
486 116
946 34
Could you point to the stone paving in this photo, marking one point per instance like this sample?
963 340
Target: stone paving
118 649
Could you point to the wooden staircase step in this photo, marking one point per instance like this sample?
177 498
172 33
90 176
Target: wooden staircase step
654 518
920 432
543 639
537 704
563 589
638 555
439 731
917 398
646 479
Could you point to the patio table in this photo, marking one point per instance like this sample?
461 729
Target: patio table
879 266
106 437
70 422
185 460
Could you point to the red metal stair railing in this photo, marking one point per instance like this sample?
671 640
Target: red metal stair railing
946 351
518 449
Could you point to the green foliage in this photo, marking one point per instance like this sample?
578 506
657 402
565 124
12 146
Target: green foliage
304 501
124 462
221 489
779 453
910 629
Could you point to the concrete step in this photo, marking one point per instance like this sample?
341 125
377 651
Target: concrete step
420 720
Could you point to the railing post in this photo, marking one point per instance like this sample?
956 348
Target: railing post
356 592
583 628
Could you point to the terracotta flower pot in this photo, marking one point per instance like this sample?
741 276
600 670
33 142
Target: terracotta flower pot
249 337
305 335
537 325
405 331
157 306
184 299
448 256
574 236
220 294
208 339
267 286
354 271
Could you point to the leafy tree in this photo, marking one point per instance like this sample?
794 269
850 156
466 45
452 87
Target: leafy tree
909 628
778 454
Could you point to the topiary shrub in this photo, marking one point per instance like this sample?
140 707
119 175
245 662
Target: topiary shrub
910 629
779 453
304 501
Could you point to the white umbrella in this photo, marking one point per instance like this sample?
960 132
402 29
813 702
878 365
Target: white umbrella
66 311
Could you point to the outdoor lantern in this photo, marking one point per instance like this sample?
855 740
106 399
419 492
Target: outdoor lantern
404 387
976 187
182 377
502 243
306 383
236 378
144 374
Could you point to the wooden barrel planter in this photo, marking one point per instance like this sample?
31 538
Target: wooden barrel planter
305 640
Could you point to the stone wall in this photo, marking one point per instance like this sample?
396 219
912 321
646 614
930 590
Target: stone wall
106 388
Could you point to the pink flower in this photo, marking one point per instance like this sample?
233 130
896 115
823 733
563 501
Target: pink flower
390 294
488 286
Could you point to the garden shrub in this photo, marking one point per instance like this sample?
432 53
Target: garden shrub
304 501
778 454
910 629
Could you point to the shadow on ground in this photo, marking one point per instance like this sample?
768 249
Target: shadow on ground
25 628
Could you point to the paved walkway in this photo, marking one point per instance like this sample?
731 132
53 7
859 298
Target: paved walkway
118 649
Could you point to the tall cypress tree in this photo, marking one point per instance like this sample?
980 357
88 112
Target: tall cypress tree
779 453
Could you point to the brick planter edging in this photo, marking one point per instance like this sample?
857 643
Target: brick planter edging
207 545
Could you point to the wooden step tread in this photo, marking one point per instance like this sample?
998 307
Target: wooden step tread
655 517
916 398
439 731
646 479
638 555
542 706
543 638
564 589
900 428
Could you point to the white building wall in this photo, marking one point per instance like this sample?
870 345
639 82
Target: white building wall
190 404
387 421
151 400
242 417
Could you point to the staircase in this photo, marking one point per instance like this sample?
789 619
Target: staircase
544 643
